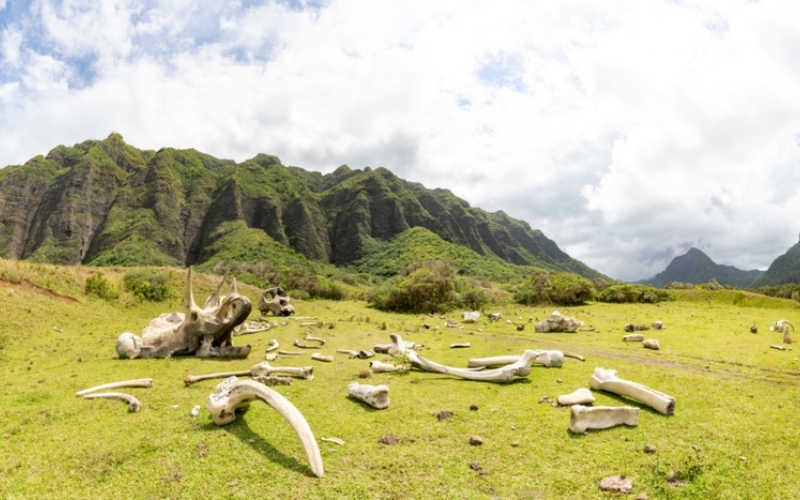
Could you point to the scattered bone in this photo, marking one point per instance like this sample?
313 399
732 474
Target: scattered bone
521 368
384 348
271 380
205 333
574 356
366 354
254 326
133 404
350 353
470 317
273 344
651 344
778 347
327 358
779 325
630 327
232 394
380 367
290 353
520 327
141 382
658 325
271 356
618 484
304 346
312 338
607 380
451 323
59 330
262 369
335 440
636 337
276 301
580 397
557 322
545 358
195 411
495 316
583 418
309 323
377 396
461 345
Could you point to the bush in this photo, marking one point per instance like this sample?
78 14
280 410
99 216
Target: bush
148 285
564 289
475 299
632 294
98 286
427 287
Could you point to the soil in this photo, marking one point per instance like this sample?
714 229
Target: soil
28 286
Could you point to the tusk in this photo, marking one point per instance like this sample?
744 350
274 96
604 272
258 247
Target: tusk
607 380
133 404
601 417
580 397
233 393
189 305
142 382
377 396
574 356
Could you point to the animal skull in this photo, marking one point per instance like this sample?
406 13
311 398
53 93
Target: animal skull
202 332
276 301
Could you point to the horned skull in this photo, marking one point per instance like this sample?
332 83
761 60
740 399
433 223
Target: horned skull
202 332
276 301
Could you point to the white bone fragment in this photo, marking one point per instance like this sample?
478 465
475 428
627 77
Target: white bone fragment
381 367
59 330
384 348
461 345
658 325
365 353
304 346
271 356
350 353
636 337
309 323
583 418
778 347
249 327
604 379
520 368
141 382
290 353
377 396
336 440
312 338
580 397
133 404
549 359
780 324
273 344
574 356
557 322
651 344
322 357
195 411
470 317
270 380
232 394
262 369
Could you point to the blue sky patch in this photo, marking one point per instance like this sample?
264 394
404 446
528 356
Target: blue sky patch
503 69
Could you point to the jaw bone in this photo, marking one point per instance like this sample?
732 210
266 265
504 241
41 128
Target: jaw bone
607 380
232 394
601 417
377 396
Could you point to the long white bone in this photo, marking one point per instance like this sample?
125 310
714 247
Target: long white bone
583 418
327 358
544 358
580 397
232 394
273 344
520 368
141 382
297 343
604 379
381 367
312 338
262 369
377 396
133 404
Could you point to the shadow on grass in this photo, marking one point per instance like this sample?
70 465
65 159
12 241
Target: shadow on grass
242 430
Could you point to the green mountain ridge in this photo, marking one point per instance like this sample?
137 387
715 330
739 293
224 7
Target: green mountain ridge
696 267
784 269
108 203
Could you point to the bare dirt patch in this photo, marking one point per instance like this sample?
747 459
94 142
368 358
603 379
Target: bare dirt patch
28 286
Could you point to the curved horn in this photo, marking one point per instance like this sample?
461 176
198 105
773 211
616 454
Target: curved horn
213 300
233 289
233 393
189 293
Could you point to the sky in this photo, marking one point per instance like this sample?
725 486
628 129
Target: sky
628 131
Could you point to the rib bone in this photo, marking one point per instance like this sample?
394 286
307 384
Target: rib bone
601 417
232 394
376 396
133 404
141 382
607 380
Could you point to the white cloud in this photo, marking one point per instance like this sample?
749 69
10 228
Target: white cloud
627 132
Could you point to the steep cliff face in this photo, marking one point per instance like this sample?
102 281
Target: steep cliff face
108 203
697 267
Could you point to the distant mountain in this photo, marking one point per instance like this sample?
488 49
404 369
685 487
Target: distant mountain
696 267
784 269
108 203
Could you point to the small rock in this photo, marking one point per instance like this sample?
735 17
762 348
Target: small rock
234 483
619 484
641 496
476 440
558 380
742 459
473 407
649 448
515 444
444 415
251 441
390 439
475 466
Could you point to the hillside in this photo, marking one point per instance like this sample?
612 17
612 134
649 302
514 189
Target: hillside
784 269
696 267
109 203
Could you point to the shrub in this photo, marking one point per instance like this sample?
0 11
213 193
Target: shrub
148 285
98 286
564 289
632 294
426 287
475 298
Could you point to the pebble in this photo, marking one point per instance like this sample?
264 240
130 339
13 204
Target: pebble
649 448
476 440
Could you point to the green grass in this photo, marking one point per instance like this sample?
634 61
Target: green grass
736 398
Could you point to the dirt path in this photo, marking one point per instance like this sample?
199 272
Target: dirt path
27 285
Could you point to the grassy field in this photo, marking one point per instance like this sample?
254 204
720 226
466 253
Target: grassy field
734 433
